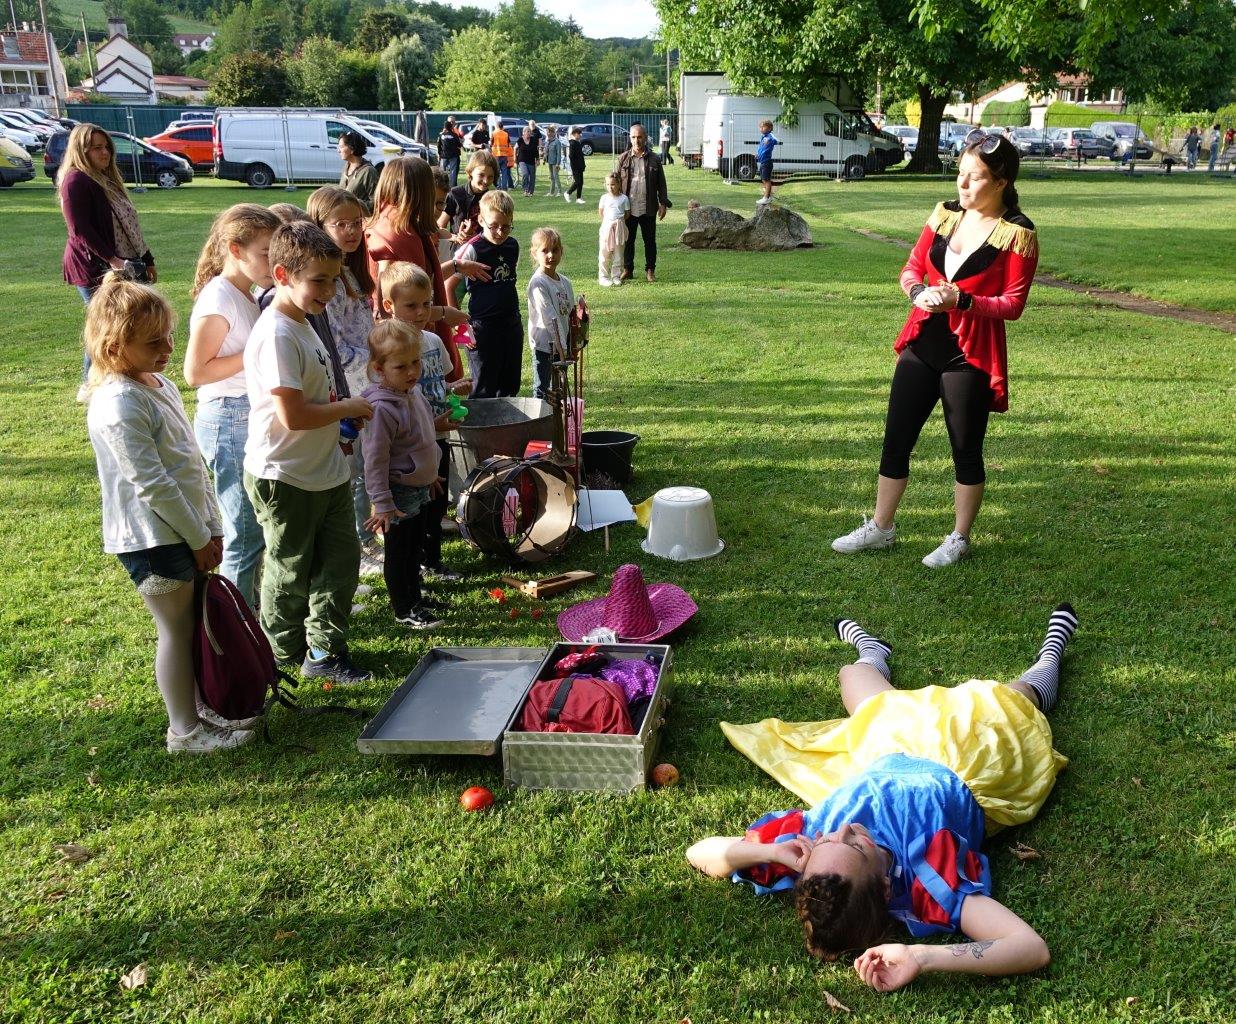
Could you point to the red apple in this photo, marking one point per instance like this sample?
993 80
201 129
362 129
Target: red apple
477 798
665 775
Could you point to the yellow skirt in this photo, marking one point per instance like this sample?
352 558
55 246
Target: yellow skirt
992 737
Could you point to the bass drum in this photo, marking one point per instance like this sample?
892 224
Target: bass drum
523 511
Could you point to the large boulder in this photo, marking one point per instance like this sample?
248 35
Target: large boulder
772 229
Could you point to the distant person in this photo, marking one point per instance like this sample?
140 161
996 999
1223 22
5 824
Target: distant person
969 272
104 233
480 135
1213 140
527 156
575 159
450 146
555 151
1192 146
358 176
504 153
538 136
612 208
643 180
667 136
764 160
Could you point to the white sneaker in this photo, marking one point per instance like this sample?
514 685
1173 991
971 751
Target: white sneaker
206 739
567 197
763 201
580 201
867 537
954 548
212 718
604 282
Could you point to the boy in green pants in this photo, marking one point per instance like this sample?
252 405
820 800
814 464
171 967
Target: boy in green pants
296 476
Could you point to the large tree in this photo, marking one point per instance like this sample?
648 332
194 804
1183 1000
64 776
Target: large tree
480 69
414 61
317 72
378 26
250 80
563 74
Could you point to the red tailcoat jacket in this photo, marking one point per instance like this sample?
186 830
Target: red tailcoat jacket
997 277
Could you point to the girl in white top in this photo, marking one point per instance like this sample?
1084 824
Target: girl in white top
233 261
550 298
350 315
612 209
160 517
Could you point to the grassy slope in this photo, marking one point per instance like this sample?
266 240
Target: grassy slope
1156 236
334 887
96 19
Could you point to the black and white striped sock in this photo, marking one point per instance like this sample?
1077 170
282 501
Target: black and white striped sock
1043 676
871 650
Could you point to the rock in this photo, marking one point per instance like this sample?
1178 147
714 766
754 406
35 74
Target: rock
772 229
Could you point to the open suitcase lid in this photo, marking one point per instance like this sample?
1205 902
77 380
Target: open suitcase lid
458 700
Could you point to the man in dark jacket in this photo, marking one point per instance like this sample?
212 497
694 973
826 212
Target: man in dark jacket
643 181
450 145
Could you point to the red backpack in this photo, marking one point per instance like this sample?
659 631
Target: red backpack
577 704
235 667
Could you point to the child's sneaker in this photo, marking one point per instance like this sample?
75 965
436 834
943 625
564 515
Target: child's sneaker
212 718
868 537
954 548
420 617
206 739
580 201
605 282
339 668
371 559
440 574
567 197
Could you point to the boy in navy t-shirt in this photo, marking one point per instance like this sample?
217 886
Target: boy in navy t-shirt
493 305
764 157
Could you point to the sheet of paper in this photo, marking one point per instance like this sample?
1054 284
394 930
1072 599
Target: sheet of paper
603 508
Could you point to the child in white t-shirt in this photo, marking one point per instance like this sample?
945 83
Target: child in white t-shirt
233 261
550 298
613 209
296 474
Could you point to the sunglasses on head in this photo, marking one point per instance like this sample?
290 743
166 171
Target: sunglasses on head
987 142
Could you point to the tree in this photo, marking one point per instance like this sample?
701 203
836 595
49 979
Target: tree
324 18
520 21
250 80
317 73
794 49
433 34
271 28
648 94
235 32
360 80
455 19
411 58
563 73
480 69
377 27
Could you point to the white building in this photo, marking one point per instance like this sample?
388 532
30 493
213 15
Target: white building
123 71
27 79
1069 89
182 88
191 42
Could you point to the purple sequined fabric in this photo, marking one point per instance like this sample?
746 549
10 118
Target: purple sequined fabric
637 678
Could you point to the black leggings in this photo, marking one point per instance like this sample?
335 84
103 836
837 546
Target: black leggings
577 183
401 564
932 369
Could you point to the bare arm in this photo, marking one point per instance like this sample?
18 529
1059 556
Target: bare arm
297 414
721 856
203 364
1002 943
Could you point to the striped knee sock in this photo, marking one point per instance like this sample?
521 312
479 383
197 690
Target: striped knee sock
871 650
1044 675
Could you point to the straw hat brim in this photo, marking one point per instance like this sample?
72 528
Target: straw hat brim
671 605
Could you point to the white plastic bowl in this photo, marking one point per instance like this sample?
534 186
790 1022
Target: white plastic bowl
683 525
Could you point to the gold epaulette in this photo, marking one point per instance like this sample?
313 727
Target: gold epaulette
943 220
1014 238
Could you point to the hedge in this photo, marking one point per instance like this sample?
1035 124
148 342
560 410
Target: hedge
1009 114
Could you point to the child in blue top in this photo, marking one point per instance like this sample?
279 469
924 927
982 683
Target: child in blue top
764 157
900 837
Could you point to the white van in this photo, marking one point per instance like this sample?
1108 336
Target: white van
825 139
263 146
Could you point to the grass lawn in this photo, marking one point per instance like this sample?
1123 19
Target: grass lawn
279 885
96 17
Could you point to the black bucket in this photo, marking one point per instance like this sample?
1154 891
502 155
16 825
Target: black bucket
607 456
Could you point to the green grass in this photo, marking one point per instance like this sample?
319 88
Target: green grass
328 886
96 17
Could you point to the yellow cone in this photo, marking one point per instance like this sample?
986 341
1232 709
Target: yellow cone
643 512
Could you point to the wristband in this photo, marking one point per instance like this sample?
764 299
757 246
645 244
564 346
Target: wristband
964 299
916 291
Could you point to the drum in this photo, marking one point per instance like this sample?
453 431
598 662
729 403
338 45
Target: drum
520 510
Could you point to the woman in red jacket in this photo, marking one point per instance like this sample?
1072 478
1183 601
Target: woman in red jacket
970 271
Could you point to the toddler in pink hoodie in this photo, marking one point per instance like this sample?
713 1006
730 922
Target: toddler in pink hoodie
401 467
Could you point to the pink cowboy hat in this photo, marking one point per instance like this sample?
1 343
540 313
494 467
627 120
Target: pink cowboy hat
634 611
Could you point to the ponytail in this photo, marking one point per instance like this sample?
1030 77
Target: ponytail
1010 198
241 224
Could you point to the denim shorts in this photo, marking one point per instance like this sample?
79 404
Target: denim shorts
409 500
766 170
160 570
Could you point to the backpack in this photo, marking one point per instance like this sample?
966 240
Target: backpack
577 704
233 661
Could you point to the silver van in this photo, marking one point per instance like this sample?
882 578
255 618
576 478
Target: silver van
263 146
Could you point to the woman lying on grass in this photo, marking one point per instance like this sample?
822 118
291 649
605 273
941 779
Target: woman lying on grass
906 789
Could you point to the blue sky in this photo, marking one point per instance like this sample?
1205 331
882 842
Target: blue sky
597 18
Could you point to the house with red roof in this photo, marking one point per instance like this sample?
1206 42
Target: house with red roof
27 77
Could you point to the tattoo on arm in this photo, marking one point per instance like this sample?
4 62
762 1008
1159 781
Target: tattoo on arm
976 949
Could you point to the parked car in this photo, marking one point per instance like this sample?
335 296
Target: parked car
1122 137
1032 142
24 137
15 164
260 146
603 137
388 135
133 156
1056 137
1083 143
196 143
908 135
953 137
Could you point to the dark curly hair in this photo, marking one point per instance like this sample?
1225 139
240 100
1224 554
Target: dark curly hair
1004 163
838 914
355 141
